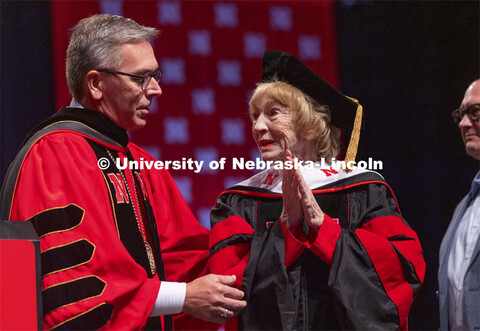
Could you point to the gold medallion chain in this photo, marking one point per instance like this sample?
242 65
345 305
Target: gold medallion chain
138 218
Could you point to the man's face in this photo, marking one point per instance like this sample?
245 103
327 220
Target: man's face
469 129
123 99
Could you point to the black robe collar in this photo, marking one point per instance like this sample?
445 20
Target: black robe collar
97 121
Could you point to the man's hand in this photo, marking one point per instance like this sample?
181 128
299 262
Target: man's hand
212 298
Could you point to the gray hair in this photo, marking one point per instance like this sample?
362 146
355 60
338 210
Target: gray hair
95 43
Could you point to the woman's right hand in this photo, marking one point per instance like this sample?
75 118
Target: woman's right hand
292 212
298 200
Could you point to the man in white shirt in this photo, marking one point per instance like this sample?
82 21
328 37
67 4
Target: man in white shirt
459 271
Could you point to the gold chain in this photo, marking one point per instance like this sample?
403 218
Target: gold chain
140 225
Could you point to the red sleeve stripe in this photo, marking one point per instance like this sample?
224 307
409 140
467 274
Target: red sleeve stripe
324 244
293 247
227 228
231 260
389 269
389 226
411 249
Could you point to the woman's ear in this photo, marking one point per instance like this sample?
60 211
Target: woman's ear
94 84
311 134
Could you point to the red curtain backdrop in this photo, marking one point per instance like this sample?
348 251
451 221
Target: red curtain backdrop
210 54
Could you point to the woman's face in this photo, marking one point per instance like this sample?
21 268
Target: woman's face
274 130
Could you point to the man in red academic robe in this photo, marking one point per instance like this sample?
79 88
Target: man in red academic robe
119 247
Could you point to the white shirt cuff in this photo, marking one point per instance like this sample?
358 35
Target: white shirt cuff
170 299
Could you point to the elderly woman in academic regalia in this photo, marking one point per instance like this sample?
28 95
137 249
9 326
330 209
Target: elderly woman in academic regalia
316 248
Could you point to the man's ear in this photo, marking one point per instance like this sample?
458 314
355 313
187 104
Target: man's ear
94 84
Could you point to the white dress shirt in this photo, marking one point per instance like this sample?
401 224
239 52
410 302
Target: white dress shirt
466 238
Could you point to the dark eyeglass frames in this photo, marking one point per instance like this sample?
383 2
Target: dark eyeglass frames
473 113
143 80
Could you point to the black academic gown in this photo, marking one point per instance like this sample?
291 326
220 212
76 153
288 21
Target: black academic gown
360 271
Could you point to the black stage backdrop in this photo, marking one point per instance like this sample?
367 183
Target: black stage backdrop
408 63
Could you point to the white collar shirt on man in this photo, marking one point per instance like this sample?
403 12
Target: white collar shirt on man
466 237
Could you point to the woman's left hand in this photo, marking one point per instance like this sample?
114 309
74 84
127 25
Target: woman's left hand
294 187
312 212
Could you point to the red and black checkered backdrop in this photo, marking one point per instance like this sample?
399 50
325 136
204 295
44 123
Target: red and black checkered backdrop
210 54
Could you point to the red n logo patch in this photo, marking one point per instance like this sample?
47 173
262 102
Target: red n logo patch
120 189
270 178
329 172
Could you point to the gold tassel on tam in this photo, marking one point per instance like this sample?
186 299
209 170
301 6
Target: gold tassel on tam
355 136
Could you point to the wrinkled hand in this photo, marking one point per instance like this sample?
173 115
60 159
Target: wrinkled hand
292 212
312 212
207 298
294 185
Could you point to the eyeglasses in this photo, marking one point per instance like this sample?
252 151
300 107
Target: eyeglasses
143 80
473 113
